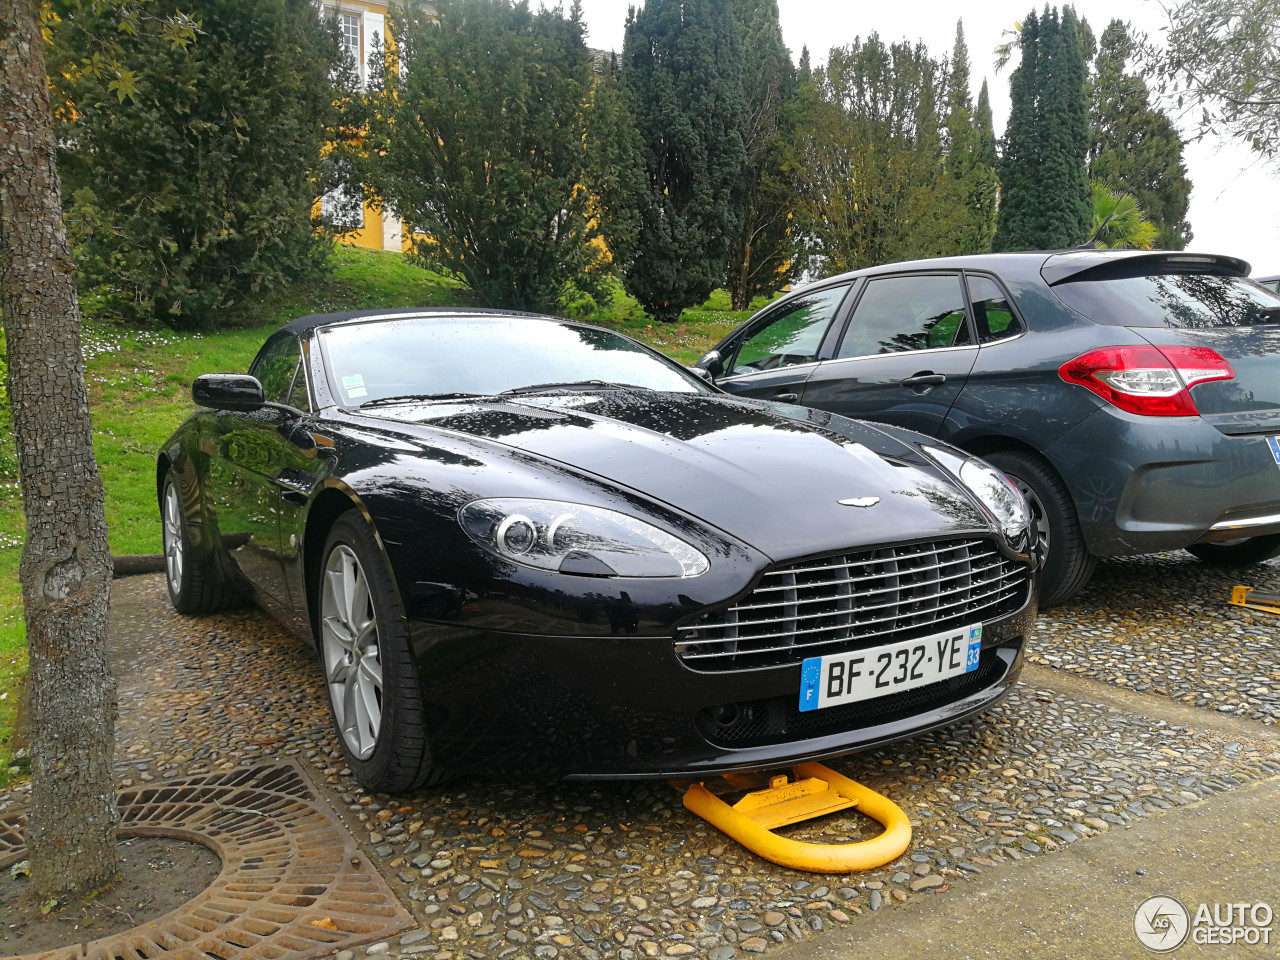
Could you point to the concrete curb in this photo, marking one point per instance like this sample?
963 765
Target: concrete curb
133 564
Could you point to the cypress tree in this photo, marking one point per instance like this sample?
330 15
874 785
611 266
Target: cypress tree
682 66
985 193
760 254
970 155
1134 147
959 103
1046 198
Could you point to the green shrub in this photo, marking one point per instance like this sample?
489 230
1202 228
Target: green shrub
200 189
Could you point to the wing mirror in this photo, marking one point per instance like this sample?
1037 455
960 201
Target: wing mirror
712 363
228 391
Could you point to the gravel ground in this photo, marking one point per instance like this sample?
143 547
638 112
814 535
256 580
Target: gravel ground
587 871
1162 624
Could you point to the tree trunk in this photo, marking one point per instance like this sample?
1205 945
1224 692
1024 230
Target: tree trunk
66 567
740 275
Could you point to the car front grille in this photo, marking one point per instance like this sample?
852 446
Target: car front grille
854 601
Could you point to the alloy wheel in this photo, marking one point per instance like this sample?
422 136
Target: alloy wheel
349 647
172 536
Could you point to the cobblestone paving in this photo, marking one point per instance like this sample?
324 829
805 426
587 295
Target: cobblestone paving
587 871
1163 625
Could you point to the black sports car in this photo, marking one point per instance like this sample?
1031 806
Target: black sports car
532 547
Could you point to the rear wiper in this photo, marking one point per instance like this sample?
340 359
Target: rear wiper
411 397
573 385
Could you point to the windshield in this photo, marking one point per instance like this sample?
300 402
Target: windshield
1182 301
482 356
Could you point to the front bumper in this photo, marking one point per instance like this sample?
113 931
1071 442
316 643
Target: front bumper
615 707
1150 484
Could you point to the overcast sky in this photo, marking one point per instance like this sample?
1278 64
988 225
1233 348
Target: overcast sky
1235 202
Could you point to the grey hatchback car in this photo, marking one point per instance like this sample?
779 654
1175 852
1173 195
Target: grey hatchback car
1133 397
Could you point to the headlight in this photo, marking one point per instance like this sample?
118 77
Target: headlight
574 538
998 496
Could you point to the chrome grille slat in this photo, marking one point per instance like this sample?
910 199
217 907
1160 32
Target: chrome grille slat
739 608
854 601
998 596
861 623
801 568
968 588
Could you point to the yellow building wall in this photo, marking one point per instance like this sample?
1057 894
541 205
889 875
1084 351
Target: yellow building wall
371 235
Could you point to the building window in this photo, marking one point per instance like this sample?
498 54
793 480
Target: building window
350 23
343 208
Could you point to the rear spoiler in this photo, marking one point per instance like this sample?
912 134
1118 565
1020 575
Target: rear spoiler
1100 264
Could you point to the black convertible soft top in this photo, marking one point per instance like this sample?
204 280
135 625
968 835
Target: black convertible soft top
308 323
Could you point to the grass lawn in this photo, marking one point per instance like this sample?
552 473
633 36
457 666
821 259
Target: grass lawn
139 391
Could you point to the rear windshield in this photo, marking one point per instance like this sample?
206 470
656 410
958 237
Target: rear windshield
1184 301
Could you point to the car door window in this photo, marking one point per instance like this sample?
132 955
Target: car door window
992 313
792 335
897 314
275 367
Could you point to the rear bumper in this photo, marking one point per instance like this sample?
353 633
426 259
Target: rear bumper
541 707
1233 528
1150 484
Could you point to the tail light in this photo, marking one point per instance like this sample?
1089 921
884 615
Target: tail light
1152 381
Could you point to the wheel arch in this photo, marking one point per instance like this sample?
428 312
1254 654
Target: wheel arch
334 500
984 446
163 466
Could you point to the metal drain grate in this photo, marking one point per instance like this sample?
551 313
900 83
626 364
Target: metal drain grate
286 861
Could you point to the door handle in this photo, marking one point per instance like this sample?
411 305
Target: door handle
925 379
786 397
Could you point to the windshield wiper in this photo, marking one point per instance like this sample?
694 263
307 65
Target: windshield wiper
573 385
411 397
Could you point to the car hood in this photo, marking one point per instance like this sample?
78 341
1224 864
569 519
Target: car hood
771 475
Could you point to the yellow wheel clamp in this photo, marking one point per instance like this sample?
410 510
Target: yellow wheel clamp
1255 600
815 791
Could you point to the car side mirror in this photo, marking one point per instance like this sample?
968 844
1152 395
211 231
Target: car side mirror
712 363
228 391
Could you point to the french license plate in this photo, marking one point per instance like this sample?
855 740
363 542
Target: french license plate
878 671
1274 444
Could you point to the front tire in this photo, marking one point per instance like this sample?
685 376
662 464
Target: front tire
1237 553
190 591
1065 562
374 695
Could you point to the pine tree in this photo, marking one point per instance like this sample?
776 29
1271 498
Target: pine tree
1135 147
970 158
682 65
1046 199
761 258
